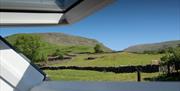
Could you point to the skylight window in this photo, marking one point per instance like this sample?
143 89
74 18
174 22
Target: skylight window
37 5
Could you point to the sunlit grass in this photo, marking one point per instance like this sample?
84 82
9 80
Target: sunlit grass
112 59
78 75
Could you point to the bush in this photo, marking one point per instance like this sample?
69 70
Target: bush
171 59
58 53
40 56
28 45
98 49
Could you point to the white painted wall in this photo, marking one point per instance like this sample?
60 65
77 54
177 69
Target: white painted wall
5 87
16 71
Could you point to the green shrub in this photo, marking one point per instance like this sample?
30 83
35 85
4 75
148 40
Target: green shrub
58 53
98 48
171 59
28 45
40 56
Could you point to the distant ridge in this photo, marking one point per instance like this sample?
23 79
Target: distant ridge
62 39
153 46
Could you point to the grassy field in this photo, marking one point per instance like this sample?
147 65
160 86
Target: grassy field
103 60
78 75
111 59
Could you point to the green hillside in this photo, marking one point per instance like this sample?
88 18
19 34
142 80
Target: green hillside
153 47
40 47
68 43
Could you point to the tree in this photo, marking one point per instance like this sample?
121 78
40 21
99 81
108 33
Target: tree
171 59
98 48
176 58
165 62
28 45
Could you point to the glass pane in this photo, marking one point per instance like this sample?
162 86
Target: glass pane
67 3
44 5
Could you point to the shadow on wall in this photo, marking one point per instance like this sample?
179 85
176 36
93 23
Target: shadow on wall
11 82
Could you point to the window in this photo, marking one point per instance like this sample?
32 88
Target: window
37 5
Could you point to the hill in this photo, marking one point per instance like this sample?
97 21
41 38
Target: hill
63 41
153 47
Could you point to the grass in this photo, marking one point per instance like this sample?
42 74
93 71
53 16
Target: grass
103 60
78 75
111 59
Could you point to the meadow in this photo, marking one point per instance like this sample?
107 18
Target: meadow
102 60
79 75
109 60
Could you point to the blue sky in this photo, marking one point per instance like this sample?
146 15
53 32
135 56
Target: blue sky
122 24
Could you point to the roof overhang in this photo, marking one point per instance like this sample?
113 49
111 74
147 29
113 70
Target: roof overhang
51 12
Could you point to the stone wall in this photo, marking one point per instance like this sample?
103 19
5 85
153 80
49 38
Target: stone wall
121 69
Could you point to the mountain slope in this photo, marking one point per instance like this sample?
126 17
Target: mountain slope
153 46
64 41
